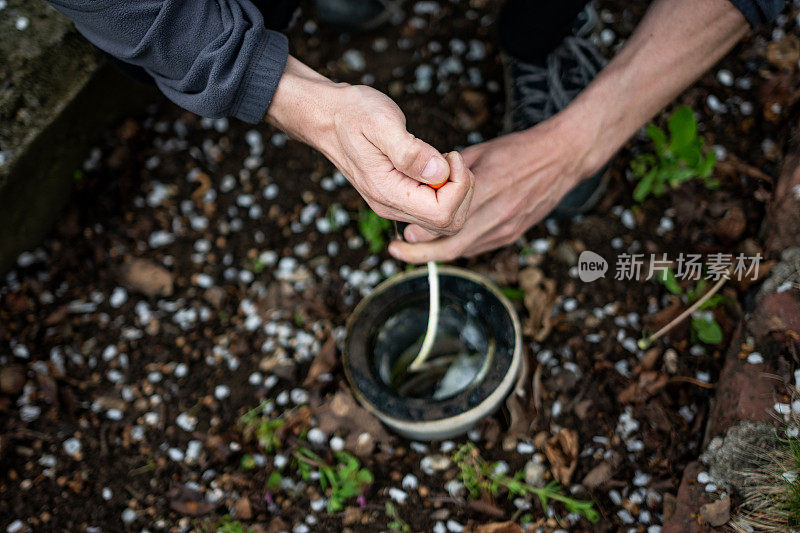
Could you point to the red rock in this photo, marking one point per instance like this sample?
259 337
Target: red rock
783 215
743 392
779 313
691 495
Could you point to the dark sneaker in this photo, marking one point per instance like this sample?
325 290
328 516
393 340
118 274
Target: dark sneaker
356 15
535 93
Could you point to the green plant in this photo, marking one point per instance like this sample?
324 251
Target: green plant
332 216
677 159
247 462
396 523
513 293
480 477
345 478
259 266
790 502
765 472
256 425
373 228
226 525
703 325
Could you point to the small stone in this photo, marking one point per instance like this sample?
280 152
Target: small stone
336 444
597 476
221 392
186 421
147 277
525 448
628 219
534 474
176 454
128 516
410 482
15 526
716 513
317 505
454 526
755 358
354 60
118 297
242 509
316 436
72 447
540 246
365 444
398 495
607 37
725 77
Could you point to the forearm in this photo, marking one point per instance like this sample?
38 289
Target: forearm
304 103
676 42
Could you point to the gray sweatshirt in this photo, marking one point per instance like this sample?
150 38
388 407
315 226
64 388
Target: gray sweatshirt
217 58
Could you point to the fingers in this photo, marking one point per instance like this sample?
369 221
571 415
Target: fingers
441 211
409 155
415 234
436 250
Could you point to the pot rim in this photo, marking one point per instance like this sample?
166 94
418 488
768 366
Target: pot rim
462 420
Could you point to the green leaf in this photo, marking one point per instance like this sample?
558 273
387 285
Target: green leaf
512 293
667 278
682 128
373 229
645 186
677 176
714 301
707 331
365 476
705 169
658 137
274 481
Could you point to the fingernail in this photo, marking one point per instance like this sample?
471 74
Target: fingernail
409 236
433 170
393 251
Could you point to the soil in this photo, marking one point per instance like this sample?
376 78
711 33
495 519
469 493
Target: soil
105 365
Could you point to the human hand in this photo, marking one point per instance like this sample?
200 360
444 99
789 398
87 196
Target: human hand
520 178
363 133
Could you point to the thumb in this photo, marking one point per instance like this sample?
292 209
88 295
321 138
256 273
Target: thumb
443 249
411 156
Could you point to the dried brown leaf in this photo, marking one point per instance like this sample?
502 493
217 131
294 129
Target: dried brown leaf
323 363
785 53
540 295
562 452
498 527
342 414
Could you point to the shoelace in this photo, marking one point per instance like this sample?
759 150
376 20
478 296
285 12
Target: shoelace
569 69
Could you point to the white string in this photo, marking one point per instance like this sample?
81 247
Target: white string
433 318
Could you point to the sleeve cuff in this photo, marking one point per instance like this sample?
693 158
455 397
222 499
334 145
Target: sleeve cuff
265 72
758 12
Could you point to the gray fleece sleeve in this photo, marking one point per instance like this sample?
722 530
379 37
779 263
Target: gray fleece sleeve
212 57
759 12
